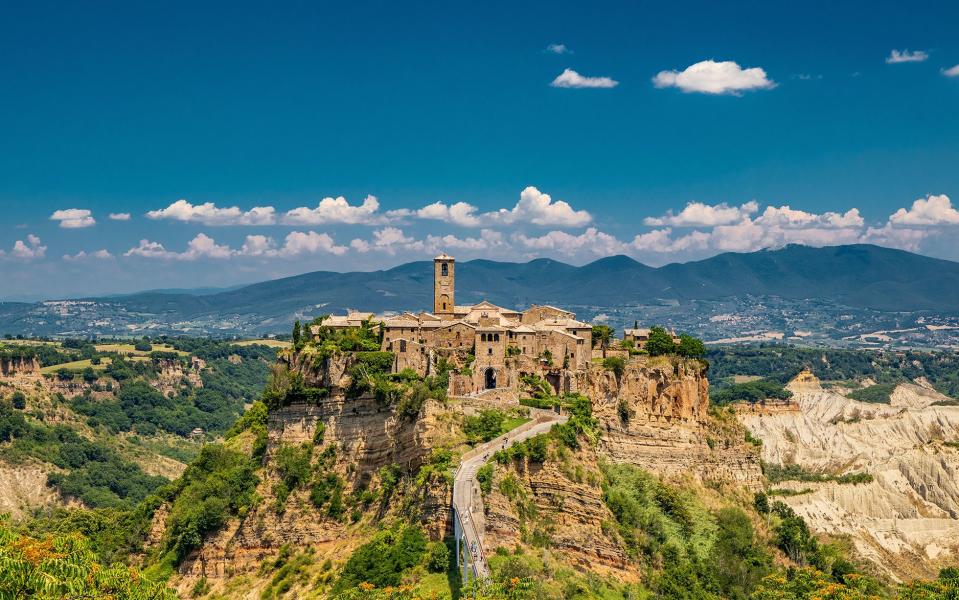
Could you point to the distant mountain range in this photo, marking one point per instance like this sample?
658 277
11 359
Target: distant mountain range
858 276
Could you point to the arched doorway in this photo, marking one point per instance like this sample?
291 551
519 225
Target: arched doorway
490 378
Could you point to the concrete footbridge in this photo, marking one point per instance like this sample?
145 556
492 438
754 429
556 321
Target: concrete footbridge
469 521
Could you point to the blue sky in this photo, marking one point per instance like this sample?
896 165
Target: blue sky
127 108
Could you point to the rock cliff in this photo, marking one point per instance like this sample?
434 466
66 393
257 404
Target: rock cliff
656 416
19 365
906 520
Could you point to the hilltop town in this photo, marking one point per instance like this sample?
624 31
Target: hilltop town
494 348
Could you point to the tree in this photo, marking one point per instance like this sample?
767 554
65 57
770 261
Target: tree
602 335
66 567
19 400
143 345
690 346
660 342
297 333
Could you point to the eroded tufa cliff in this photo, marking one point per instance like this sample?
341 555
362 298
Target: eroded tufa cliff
656 416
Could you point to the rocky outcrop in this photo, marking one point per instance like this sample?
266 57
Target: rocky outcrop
555 499
656 416
906 520
171 374
23 488
19 365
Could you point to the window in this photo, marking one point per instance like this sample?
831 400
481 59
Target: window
444 271
482 337
495 337
402 345
490 351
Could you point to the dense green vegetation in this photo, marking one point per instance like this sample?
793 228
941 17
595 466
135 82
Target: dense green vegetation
781 363
65 566
219 484
877 394
792 472
750 391
94 472
488 424
383 560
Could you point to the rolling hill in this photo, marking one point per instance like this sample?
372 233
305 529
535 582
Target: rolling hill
860 276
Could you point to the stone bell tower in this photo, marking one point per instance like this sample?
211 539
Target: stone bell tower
443 283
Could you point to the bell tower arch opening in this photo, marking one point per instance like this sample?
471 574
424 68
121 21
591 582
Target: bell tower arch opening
444 277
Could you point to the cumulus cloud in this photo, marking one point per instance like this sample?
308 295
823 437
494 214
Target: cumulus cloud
533 207
28 250
905 56
928 211
209 214
571 79
119 216
298 243
698 214
336 210
391 240
459 213
74 218
558 49
83 255
258 245
201 246
539 209
951 71
711 77
590 242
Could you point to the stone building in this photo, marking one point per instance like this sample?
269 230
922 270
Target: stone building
493 346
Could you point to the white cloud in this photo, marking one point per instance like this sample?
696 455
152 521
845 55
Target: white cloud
119 216
74 218
201 246
711 77
28 250
590 242
209 214
258 245
539 209
392 240
337 210
571 79
905 56
148 249
558 49
83 255
928 211
487 240
298 243
951 71
697 214
459 213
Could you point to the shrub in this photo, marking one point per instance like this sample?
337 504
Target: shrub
876 394
485 478
484 427
383 560
616 364
220 483
437 557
